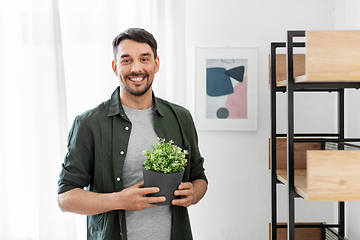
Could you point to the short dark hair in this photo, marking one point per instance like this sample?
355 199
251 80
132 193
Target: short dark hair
137 35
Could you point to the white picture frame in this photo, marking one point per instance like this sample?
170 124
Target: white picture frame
226 88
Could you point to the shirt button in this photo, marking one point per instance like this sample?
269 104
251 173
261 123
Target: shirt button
126 128
118 179
122 152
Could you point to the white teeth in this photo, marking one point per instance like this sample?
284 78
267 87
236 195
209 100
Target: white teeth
136 79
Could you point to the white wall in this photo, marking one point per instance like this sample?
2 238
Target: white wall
237 205
347 17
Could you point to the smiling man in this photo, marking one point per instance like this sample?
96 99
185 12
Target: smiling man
135 65
105 147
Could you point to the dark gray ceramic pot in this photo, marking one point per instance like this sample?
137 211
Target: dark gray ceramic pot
167 182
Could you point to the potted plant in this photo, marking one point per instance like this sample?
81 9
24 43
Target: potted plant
164 168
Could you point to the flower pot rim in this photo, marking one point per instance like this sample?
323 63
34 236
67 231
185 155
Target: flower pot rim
161 172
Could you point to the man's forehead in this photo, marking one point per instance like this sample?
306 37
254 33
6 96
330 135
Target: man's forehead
129 47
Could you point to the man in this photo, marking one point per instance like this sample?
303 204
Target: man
105 147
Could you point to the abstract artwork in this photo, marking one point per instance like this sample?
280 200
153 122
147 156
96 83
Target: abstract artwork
226 88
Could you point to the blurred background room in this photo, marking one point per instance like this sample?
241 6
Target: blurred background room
55 63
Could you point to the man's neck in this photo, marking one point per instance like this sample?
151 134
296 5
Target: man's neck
144 101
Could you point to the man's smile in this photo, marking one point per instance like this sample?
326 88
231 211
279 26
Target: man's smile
137 79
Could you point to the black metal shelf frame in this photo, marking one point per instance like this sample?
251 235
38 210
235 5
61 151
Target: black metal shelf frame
290 89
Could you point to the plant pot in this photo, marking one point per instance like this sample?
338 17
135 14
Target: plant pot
166 182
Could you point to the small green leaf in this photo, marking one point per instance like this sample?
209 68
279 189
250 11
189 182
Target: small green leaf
165 157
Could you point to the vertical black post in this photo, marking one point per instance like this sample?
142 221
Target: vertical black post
341 131
290 137
341 218
323 233
290 134
273 141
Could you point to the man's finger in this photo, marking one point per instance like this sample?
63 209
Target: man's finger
156 199
185 185
148 190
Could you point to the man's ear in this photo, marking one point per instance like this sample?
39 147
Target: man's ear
157 64
114 67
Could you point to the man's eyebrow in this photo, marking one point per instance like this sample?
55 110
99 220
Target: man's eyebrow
125 55
145 54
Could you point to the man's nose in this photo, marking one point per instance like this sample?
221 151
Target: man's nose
136 67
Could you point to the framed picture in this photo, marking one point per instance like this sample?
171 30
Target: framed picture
226 89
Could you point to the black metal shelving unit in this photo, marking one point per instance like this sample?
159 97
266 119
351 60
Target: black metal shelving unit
290 89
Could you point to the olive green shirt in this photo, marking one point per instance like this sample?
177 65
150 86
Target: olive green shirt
97 146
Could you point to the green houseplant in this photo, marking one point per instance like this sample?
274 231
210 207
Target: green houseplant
164 167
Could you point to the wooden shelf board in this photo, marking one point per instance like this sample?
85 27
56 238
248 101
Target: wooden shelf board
327 59
313 233
300 149
327 78
321 79
281 83
331 175
299 178
332 55
299 67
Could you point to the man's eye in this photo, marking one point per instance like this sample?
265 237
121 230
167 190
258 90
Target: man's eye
144 59
125 61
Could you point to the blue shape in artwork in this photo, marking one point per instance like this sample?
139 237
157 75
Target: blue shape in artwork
237 73
217 82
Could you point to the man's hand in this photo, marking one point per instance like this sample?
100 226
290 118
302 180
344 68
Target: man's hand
190 192
133 198
91 203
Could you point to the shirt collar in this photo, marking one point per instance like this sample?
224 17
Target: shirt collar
116 108
158 106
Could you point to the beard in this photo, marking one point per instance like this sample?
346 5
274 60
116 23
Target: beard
140 92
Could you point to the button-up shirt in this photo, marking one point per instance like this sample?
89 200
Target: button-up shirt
97 146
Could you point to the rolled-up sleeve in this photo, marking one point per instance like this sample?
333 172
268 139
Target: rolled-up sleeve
197 170
77 169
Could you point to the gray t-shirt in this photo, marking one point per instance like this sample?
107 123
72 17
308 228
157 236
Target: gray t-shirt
151 223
